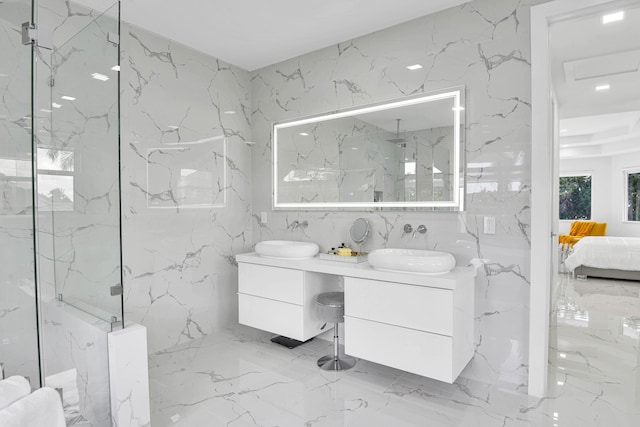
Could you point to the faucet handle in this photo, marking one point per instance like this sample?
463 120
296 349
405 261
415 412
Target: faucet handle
407 229
421 229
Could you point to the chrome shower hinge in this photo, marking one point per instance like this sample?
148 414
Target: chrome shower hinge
29 33
115 324
41 37
116 290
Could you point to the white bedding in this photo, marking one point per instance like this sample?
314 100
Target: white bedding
618 253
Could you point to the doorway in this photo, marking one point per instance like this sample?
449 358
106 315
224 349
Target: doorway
545 171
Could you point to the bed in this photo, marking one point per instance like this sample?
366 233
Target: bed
607 257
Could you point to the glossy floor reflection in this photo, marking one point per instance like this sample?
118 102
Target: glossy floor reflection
239 378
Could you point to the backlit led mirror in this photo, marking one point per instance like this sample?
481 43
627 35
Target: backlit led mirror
404 153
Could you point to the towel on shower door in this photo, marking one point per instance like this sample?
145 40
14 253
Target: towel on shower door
12 389
42 408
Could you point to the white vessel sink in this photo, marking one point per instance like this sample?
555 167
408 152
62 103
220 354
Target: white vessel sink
412 261
287 249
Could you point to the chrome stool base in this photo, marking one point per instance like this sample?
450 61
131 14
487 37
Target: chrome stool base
330 363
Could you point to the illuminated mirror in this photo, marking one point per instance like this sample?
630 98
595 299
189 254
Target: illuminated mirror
404 153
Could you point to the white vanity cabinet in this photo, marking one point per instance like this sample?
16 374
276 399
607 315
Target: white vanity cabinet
282 300
424 330
422 324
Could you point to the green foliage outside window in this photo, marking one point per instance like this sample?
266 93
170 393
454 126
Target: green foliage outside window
633 196
575 197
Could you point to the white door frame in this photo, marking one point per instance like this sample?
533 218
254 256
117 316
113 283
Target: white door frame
541 178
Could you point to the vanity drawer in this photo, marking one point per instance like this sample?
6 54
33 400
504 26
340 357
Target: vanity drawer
410 306
276 283
273 316
413 351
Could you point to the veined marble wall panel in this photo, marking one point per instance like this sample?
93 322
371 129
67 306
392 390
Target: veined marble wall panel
181 277
76 342
483 45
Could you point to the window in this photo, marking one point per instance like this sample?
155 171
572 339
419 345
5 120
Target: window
632 194
55 179
575 197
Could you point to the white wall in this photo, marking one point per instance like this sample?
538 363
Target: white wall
618 227
601 196
607 198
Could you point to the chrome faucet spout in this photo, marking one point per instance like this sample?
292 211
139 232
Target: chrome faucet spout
298 224
421 229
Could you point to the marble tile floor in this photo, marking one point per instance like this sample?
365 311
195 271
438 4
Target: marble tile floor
239 378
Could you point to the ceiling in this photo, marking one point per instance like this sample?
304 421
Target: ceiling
586 53
255 33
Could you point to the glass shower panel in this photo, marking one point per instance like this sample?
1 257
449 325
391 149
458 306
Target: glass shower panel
18 320
78 169
78 203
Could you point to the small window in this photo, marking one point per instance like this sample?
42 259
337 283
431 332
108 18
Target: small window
55 179
632 194
575 197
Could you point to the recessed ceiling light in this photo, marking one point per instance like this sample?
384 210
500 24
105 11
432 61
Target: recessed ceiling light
613 17
56 105
68 98
173 127
354 148
414 67
563 355
602 87
303 134
229 112
116 68
100 77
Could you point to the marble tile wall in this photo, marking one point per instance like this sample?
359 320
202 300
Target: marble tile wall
180 272
483 45
129 377
76 342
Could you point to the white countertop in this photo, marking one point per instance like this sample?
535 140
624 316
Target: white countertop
456 277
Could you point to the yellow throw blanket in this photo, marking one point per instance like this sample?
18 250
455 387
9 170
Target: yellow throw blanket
579 229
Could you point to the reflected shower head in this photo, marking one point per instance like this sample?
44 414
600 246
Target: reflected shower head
397 139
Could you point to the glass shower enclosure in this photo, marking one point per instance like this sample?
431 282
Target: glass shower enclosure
61 275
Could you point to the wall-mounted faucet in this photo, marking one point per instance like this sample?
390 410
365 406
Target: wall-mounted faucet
298 224
408 229
421 229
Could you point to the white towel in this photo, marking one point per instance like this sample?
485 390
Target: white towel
12 389
42 408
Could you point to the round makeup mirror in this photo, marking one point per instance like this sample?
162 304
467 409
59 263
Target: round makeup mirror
359 230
